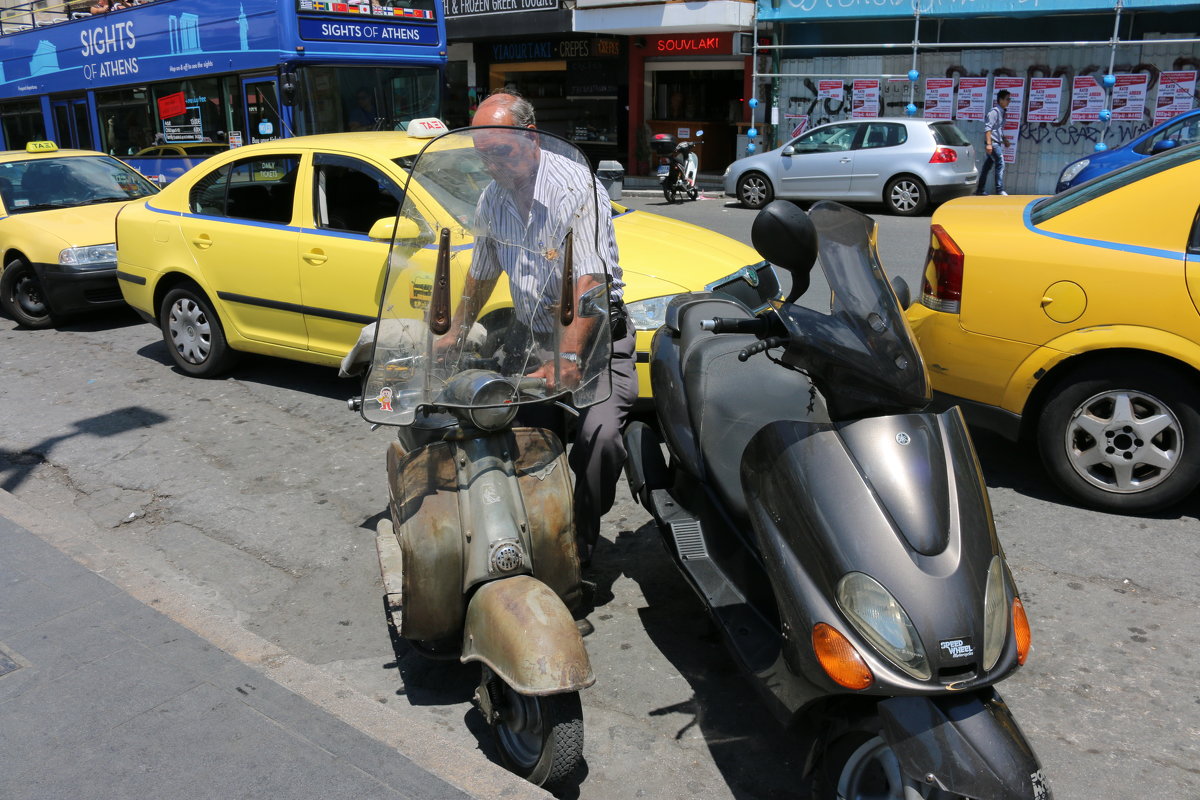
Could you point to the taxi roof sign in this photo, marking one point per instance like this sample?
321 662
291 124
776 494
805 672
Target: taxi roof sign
40 147
426 128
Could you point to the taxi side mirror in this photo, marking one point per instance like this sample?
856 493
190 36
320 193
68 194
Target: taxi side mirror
406 229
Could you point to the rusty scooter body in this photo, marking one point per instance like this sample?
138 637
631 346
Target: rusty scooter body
478 557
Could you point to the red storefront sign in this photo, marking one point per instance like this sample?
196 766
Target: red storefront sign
688 44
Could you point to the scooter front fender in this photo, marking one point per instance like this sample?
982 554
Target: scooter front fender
524 633
966 744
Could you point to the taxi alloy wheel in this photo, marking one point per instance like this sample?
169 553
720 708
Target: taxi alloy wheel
1123 437
21 295
193 333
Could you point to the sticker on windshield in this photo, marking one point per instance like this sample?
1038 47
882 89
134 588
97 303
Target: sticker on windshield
385 399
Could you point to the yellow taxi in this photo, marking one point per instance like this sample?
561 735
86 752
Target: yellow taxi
279 249
57 247
1072 321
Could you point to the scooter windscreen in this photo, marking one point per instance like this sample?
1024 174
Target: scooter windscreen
497 283
861 349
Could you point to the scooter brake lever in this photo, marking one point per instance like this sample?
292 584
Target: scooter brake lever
761 346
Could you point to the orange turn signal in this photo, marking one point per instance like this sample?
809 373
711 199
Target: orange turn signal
839 659
1021 629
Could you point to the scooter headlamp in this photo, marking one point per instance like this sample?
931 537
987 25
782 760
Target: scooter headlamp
494 405
880 619
995 614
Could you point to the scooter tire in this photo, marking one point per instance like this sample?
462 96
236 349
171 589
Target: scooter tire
858 764
540 738
669 193
693 193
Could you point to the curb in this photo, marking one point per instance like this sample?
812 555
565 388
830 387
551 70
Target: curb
422 743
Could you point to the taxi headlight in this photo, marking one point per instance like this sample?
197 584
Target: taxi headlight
879 618
1073 170
96 256
649 314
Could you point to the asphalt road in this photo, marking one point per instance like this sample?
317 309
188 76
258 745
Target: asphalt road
255 497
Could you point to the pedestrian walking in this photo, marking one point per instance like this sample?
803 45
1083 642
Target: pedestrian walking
993 135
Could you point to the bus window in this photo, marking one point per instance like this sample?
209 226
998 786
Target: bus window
335 99
22 123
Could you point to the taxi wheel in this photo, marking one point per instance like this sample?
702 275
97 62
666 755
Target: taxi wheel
21 295
193 333
1123 437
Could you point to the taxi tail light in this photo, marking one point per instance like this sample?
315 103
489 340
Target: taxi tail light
943 155
941 286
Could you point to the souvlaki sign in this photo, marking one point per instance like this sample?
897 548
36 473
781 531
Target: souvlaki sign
116 41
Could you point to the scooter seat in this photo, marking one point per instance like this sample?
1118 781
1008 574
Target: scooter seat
729 400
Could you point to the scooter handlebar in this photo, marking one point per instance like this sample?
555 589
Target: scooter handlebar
755 325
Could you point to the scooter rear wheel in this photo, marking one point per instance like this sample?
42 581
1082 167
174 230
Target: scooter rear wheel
540 738
669 193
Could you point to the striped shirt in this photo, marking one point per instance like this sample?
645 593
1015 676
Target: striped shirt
994 122
530 250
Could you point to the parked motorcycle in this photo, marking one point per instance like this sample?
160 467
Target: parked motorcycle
839 535
478 557
678 169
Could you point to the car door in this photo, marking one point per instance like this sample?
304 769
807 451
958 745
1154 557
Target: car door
241 237
341 267
875 157
1193 262
821 163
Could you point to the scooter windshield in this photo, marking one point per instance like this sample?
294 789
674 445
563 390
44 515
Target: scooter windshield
862 348
497 284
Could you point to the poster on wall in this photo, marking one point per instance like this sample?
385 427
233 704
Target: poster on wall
1129 96
1012 120
939 98
866 98
831 90
1087 99
972 97
798 123
1045 99
1175 91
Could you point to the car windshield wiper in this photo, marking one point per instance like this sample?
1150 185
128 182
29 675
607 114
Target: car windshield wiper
43 207
116 198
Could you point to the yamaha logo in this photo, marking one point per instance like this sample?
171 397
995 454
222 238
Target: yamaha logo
903 438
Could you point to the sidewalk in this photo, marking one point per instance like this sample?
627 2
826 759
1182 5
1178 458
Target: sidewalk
104 697
710 184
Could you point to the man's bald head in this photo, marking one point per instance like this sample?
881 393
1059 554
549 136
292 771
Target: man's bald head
505 108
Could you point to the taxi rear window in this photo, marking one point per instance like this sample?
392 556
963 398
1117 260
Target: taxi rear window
1076 196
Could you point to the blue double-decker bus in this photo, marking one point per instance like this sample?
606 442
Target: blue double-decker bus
163 82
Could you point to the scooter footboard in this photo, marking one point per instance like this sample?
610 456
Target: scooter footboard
524 633
966 745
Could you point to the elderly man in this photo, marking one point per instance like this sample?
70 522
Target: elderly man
525 199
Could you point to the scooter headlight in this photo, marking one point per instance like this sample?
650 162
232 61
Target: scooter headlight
880 619
995 614
494 405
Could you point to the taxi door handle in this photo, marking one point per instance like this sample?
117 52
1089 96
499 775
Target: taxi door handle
203 241
315 256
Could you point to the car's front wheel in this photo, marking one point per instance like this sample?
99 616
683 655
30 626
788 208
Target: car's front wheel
22 297
1123 437
906 196
193 333
754 190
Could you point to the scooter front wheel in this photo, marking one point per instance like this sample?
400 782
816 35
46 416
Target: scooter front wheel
540 738
861 766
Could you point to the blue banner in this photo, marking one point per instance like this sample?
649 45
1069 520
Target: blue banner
338 30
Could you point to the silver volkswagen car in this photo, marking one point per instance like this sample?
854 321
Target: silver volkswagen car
907 164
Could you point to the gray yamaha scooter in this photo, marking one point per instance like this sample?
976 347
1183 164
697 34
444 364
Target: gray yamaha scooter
478 558
839 535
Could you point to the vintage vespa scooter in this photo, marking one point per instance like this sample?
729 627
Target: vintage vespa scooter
839 535
479 558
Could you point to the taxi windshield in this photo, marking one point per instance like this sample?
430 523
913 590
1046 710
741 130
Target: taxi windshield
40 184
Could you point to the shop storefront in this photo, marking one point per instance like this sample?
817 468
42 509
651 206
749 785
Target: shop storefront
1083 73
681 84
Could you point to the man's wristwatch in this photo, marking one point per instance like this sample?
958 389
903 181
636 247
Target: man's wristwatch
572 357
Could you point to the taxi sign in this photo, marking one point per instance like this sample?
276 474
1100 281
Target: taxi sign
426 128
41 147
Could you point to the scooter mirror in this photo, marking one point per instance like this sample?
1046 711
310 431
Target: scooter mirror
785 236
903 293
